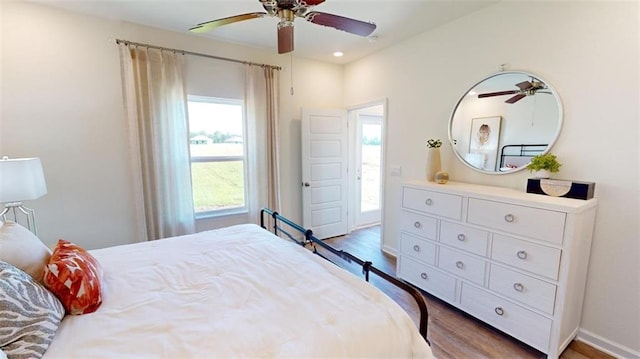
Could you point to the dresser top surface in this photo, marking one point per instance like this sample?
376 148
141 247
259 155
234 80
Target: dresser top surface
505 194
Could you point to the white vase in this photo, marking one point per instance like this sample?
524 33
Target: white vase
433 163
542 174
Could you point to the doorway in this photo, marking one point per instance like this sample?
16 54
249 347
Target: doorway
366 124
342 162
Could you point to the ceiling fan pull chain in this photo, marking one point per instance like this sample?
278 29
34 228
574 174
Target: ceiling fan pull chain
291 72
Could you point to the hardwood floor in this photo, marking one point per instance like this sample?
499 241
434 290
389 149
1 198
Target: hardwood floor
452 333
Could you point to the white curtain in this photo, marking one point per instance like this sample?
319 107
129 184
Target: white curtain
261 98
156 108
272 89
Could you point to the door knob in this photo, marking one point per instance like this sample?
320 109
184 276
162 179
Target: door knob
306 184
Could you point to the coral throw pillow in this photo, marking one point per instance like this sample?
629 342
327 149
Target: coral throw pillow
75 277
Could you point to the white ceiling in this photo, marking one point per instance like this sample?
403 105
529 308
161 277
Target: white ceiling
396 20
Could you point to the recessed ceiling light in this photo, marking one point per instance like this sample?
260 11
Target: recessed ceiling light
338 54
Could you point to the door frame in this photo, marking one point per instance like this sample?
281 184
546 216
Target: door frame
351 110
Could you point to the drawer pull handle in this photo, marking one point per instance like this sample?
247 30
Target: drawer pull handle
417 224
522 254
462 237
424 275
509 218
499 311
518 287
428 202
416 248
460 264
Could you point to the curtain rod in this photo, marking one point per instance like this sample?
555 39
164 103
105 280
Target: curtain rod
126 42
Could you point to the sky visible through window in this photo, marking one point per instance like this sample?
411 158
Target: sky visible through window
225 117
371 132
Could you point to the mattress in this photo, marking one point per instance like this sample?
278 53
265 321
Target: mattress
234 292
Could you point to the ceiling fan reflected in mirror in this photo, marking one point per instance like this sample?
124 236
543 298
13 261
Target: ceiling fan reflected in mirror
525 88
287 11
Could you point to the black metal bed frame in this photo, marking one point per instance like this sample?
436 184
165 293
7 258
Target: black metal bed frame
367 267
522 150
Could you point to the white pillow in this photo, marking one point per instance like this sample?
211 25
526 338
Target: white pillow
21 248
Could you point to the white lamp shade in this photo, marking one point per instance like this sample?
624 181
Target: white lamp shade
21 179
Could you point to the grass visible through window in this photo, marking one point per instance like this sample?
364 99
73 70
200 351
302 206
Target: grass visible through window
217 182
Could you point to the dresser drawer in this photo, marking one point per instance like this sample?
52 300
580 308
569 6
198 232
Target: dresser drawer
523 324
427 278
466 238
441 204
532 222
531 257
533 292
417 224
417 248
463 265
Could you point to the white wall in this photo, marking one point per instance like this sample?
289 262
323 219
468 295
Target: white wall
62 102
589 52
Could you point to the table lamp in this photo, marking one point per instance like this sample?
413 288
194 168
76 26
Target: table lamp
21 179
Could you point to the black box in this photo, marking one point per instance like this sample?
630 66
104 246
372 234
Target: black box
578 190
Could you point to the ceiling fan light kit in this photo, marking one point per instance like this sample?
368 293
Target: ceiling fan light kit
287 11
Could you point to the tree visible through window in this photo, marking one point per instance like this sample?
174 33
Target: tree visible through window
218 160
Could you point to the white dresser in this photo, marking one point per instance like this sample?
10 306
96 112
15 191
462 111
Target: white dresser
514 260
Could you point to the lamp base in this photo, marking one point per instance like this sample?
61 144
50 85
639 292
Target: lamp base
15 210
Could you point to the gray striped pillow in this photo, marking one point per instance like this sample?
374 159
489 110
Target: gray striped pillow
29 314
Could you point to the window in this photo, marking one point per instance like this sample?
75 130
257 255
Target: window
370 155
218 155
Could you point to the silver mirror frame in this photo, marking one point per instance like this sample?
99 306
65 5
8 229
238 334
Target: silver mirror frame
556 135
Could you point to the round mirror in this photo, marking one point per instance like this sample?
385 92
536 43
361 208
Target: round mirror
504 120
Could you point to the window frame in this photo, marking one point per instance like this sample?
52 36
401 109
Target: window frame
210 159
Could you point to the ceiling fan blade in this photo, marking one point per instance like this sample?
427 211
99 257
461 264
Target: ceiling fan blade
285 38
516 98
311 2
303 6
499 93
210 25
526 85
341 23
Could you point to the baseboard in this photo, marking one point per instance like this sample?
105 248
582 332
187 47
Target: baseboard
607 346
390 251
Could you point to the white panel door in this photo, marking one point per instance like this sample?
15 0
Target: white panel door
324 172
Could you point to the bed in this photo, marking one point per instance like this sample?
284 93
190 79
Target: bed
239 291
515 156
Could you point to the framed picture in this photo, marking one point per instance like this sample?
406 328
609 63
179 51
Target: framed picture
483 142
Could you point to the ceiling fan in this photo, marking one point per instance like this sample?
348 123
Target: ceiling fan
286 11
526 88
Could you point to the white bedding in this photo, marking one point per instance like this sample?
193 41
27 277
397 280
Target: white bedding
234 292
